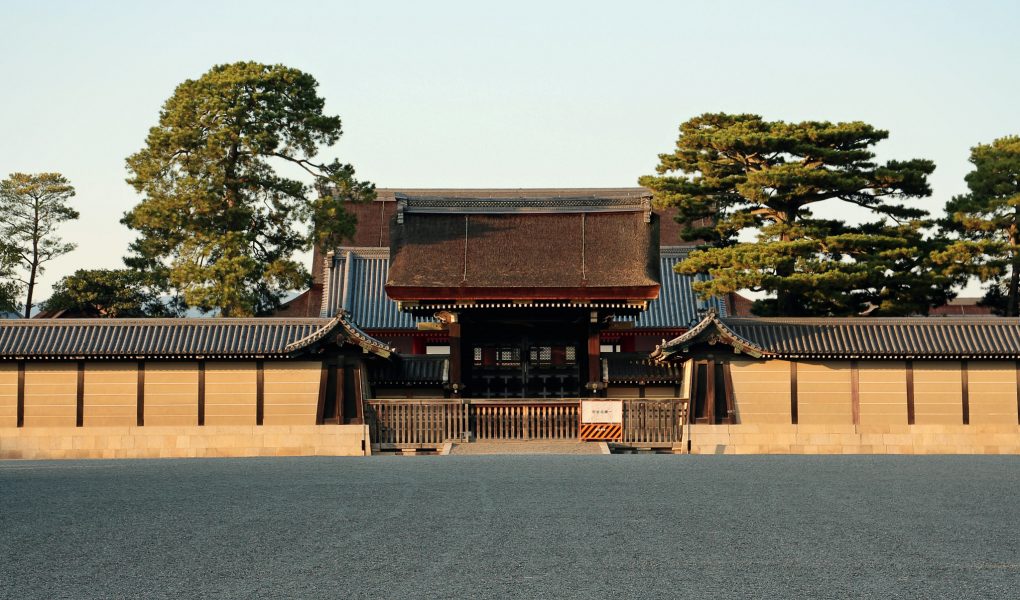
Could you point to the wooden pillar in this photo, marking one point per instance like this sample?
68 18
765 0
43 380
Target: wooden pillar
710 392
793 392
418 344
910 392
594 360
731 404
79 413
260 391
201 392
359 395
320 410
456 359
21 393
341 370
140 395
1017 370
855 392
965 390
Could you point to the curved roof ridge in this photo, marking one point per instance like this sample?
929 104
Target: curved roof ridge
367 342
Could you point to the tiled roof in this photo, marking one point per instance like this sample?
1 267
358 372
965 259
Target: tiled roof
355 280
410 370
173 338
523 248
374 217
860 337
638 368
359 290
677 306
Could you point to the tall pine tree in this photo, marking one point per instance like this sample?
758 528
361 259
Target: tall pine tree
986 223
733 174
219 221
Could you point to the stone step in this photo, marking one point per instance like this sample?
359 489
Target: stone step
535 447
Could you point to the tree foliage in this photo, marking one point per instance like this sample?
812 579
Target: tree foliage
731 174
986 224
32 206
110 293
220 221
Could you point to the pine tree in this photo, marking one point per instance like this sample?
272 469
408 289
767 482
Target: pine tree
32 206
733 174
986 224
219 223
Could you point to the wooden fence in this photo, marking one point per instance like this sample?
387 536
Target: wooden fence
416 423
494 420
654 422
430 423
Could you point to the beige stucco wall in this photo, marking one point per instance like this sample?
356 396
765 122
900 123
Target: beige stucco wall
171 393
938 393
823 393
51 394
230 393
291 392
992 386
882 388
110 394
190 441
8 394
761 390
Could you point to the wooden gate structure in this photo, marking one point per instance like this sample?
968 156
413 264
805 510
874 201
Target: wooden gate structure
429 423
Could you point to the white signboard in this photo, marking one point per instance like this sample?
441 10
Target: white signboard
602 411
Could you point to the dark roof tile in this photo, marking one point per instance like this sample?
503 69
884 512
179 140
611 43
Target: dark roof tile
172 338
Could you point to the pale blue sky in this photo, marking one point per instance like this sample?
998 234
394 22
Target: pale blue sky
521 94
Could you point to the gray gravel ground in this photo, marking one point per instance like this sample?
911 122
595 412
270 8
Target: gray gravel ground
513 526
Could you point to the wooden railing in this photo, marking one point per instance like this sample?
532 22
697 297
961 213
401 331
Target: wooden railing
541 420
416 423
648 421
432 422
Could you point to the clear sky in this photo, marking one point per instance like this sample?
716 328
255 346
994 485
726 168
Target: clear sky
511 94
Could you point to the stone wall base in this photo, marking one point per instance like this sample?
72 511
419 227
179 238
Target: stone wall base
855 439
181 442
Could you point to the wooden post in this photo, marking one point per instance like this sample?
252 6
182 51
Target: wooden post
456 357
793 392
731 404
320 410
1017 370
79 413
965 390
359 396
260 391
201 393
340 377
910 392
140 395
855 392
21 393
594 359
710 392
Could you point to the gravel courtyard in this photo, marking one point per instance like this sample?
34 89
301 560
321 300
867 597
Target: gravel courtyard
513 526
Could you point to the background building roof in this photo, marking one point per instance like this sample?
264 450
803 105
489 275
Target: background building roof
486 248
355 278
